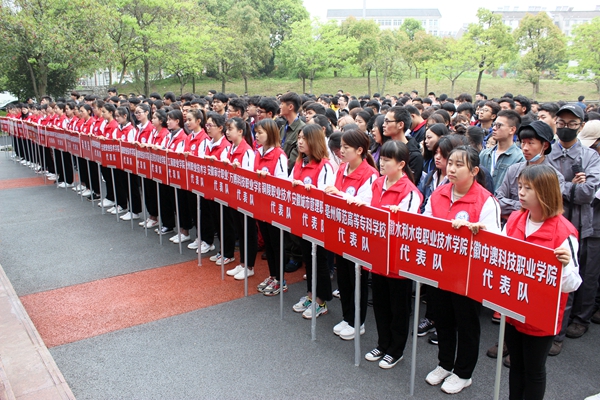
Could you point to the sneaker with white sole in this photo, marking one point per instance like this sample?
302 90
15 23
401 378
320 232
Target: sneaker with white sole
340 327
164 230
86 193
64 185
274 288
425 326
321 310
193 245
110 210
336 293
181 239
262 286
117 210
454 384
437 376
224 260
205 247
143 223
215 257
151 223
240 276
234 271
389 361
302 305
106 203
348 333
374 355
129 216
52 177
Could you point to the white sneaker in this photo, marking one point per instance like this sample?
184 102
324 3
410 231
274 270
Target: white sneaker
106 203
336 293
173 237
52 177
143 223
129 216
181 238
340 327
594 397
110 210
205 247
151 223
240 275
86 193
117 210
437 376
302 304
236 270
78 188
224 260
348 333
454 384
65 185
193 245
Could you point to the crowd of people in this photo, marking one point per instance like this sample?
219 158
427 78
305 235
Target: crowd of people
507 165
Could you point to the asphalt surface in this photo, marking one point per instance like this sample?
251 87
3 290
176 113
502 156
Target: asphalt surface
241 349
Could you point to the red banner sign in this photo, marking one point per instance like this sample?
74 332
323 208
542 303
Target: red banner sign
128 157
111 153
158 165
176 170
73 144
51 137
86 146
61 139
359 234
142 157
431 250
199 181
521 278
96 149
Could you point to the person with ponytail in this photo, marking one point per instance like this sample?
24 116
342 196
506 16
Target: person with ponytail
105 130
127 132
85 127
464 202
241 154
144 127
394 190
354 180
313 170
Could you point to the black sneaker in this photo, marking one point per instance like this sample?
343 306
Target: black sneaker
292 266
388 361
93 197
425 326
433 339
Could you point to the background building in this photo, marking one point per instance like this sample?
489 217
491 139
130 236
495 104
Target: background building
564 17
392 18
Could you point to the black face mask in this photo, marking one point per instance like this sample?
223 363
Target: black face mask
566 135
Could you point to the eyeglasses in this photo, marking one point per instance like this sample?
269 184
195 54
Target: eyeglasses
388 121
259 111
497 125
138 113
485 110
208 126
570 125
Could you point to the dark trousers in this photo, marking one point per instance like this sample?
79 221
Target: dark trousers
458 329
67 174
95 178
391 306
272 242
323 280
228 238
150 196
207 225
292 247
527 377
584 300
121 187
107 175
84 178
252 238
49 160
167 205
347 285
187 211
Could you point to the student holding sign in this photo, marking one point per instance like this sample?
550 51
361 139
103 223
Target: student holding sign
540 221
465 202
313 170
353 182
392 296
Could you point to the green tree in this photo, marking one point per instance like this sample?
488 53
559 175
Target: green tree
51 40
455 60
367 34
585 50
389 63
411 26
422 53
542 45
490 42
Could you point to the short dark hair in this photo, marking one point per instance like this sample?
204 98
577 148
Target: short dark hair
494 106
401 114
581 98
468 107
465 97
270 105
550 108
238 104
508 100
413 110
451 108
524 101
316 107
221 97
170 96
292 98
512 116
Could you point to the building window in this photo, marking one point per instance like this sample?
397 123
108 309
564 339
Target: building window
397 22
385 22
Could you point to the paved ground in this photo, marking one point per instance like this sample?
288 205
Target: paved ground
126 318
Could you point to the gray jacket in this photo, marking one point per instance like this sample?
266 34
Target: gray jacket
290 145
508 191
577 197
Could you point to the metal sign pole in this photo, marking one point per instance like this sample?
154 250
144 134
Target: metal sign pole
245 255
64 171
281 271
144 206
413 361
499 357
198 228
177 219
91 188
101 191
313 304
357 288
130 203
160 239
116 206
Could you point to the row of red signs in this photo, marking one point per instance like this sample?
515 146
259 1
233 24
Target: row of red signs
519 278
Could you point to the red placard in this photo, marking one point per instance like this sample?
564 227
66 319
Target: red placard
158 165
19 128
73 144
142 159
519 279
222 191
111 154
359 234
128 157
429 250
4 124
51 137
96 148
42 138
176 170
246 190
199 181
61 139
86 146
